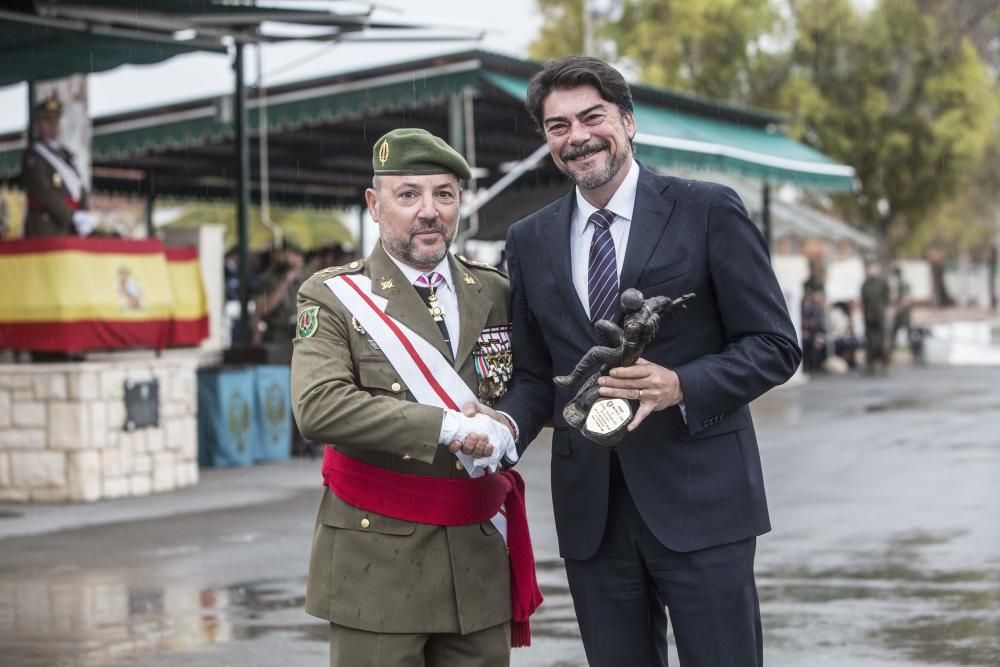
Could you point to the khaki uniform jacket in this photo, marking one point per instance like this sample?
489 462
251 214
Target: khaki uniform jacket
50 215
368 571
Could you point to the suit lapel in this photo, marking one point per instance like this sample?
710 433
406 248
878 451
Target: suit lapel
404 304
474 309
557 231
649 219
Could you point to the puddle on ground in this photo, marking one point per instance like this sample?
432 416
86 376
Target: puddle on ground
888 605
899 404
96 619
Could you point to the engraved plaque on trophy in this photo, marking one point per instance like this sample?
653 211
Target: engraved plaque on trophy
604 420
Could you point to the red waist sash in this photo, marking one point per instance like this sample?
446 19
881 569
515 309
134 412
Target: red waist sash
73 204
441 501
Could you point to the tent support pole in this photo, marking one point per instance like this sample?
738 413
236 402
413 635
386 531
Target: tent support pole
243 195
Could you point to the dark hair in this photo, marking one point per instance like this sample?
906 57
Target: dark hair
573 72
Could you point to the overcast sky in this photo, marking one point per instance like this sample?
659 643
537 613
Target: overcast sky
512 25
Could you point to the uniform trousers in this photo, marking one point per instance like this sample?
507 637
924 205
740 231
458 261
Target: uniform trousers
620 594
357 648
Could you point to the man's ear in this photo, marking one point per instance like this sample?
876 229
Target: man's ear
371 199
628 120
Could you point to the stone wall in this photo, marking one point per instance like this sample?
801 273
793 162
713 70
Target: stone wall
63 436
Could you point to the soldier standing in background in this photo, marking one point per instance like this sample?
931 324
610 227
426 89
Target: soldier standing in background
57 198
902 307
875 304
275 306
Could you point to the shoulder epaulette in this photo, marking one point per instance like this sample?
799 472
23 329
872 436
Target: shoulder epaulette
331 271
471 263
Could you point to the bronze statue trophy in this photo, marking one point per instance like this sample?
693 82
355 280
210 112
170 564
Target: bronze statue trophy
604 420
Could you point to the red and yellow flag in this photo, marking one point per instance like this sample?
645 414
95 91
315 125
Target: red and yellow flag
71 294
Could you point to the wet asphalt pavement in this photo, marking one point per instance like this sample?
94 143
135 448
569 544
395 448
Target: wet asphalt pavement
885 552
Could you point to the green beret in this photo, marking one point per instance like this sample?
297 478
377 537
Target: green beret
410 150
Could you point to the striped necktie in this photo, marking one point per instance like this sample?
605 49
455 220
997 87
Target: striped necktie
427 285
602 272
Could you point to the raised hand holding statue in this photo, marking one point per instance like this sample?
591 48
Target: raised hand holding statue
604 420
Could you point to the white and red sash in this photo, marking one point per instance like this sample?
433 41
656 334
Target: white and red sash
428 375
68 174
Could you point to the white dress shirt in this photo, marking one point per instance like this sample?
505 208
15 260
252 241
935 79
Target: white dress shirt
581 231
445 293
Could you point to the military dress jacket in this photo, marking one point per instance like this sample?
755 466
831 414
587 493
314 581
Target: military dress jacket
48 214
373 572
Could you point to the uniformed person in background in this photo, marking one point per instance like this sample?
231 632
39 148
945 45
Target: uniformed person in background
275 304
57 198
398 591
902 315
875 306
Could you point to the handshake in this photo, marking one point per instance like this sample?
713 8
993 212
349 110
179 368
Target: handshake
480 432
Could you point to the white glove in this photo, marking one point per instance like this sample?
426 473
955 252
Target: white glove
84 222
456 426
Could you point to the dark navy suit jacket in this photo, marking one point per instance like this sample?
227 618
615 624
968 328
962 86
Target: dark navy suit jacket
696 484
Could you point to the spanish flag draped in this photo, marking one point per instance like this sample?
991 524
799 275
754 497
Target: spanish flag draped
71 294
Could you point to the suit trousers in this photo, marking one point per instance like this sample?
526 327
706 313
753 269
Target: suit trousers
357 648
620 594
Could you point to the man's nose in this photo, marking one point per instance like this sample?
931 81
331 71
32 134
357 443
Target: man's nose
428 210
578 133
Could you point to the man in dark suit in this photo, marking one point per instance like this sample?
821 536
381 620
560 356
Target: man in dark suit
669 516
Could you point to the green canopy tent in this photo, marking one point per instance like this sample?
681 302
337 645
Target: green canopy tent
48 39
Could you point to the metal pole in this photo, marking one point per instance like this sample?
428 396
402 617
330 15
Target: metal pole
588 28
243 198
262 157
150 203
469 123
766 215
361 229
32 101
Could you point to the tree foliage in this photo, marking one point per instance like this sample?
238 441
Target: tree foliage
906 93
890 94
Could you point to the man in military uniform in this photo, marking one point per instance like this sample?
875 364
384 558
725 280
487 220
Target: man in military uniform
875 306
275 305
902 311
400 590
57 198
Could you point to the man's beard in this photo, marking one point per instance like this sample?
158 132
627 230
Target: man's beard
405 249
592 180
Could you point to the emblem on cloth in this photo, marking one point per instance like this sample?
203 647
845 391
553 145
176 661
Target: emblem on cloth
129 291
493 361
469 280
274 411
56 180
238 419
383 153
308 321
386 283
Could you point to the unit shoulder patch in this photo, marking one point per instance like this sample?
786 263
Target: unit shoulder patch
308 321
